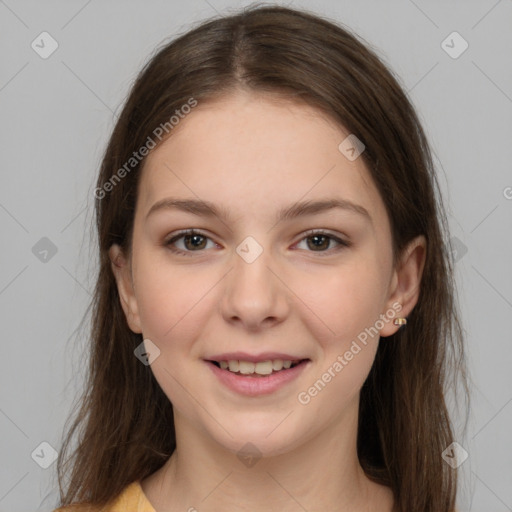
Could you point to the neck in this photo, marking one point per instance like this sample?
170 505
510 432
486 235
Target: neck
321 473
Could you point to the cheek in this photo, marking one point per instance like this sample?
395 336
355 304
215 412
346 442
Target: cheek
344 302
172 302
349 305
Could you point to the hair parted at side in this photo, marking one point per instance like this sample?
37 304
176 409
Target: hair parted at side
124 420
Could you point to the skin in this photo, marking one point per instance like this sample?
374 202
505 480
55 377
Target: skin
254 154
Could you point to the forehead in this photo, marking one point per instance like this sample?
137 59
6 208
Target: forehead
253 154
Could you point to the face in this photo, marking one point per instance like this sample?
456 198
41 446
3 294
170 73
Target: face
306 286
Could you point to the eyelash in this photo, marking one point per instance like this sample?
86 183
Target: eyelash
341 243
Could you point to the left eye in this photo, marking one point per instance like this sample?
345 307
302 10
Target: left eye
193 241
321 240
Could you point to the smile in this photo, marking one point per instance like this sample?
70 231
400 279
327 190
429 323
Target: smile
260 368
261 378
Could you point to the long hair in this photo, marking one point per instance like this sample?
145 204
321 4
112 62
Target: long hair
124 420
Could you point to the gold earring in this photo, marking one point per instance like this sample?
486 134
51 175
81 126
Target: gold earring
400 321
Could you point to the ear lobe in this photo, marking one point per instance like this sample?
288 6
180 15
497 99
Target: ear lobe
122 273
406 282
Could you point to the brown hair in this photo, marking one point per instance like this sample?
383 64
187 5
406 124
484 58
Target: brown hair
125 420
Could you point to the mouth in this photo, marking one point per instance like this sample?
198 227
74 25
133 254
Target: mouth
260 378
259 369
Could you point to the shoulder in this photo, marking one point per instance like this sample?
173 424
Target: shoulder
131 498
81 507
78 507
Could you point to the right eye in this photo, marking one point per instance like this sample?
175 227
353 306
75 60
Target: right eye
193 241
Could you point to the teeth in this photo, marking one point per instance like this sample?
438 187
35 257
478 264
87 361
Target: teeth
244 367
277 365
261 368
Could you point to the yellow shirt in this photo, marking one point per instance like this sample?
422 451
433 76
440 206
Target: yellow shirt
131 499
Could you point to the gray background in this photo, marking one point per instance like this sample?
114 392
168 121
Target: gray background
56 116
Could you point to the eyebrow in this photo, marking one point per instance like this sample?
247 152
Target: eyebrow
208 209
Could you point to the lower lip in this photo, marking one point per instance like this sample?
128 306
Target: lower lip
255 386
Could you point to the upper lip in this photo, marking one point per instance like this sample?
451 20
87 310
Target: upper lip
253 358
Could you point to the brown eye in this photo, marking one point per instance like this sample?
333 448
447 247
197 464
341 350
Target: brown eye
193 241
319 241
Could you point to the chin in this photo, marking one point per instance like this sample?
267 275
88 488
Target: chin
265 441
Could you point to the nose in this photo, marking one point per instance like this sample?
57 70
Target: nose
255 294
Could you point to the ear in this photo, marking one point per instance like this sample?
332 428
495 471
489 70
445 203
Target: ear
122 272
405 283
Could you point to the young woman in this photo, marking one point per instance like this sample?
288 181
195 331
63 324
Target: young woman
275 317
